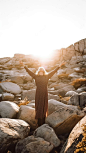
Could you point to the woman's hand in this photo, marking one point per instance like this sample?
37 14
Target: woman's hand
21 63
62 64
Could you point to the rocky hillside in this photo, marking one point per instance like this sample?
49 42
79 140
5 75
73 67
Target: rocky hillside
66 104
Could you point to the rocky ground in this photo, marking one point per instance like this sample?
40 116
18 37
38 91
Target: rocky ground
64 130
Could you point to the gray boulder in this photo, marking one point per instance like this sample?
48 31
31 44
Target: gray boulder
70 93
11 131
62 91
63 120
8 109
81 45
54 105
78 100
48 134
77 140
81 89
17 79
30 94
31 105
28 86
10 87
51 96
7 96
27 114
83 99
74 100
32 144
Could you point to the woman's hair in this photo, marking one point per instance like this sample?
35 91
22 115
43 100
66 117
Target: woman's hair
41 69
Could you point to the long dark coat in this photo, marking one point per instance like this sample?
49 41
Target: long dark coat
41 96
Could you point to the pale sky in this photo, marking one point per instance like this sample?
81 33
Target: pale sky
40 26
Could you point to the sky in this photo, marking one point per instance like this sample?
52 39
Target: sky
40 26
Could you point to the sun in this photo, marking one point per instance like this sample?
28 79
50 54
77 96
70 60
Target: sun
42 54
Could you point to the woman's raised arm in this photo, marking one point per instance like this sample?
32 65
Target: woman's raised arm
29 71
50 74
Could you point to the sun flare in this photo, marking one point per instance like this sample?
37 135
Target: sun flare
42 54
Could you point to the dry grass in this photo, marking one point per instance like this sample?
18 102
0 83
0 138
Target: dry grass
81 146
78 82
23 102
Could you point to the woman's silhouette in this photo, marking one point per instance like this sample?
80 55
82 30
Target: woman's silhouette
41 96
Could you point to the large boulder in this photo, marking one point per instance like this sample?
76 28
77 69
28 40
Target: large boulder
77 139
48 134
63 120
8 109
74 100
54 105
83 99
32 144
81 89
7 96
70 93
27 114
62 91
28 86
78 99
11 131
10 87
81 45
17 79
51 96
4 60
30 94
60 85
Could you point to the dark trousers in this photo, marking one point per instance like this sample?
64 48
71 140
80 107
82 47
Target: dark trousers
41 121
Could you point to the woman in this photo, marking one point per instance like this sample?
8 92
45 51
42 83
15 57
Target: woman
41 96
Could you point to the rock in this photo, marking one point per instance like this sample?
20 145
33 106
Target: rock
17 79
70 93
54 105
60 85
31 105
84 57
51 96
81 89
27 77
76 45
7 96
0 97
32 144
81 45
8 109
4 60
78 100
30 94
62 91
11 131
9 87
27 114
28 86
48 134
74 100
85 51
77 139
63 120
18 56
82 99
75 75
